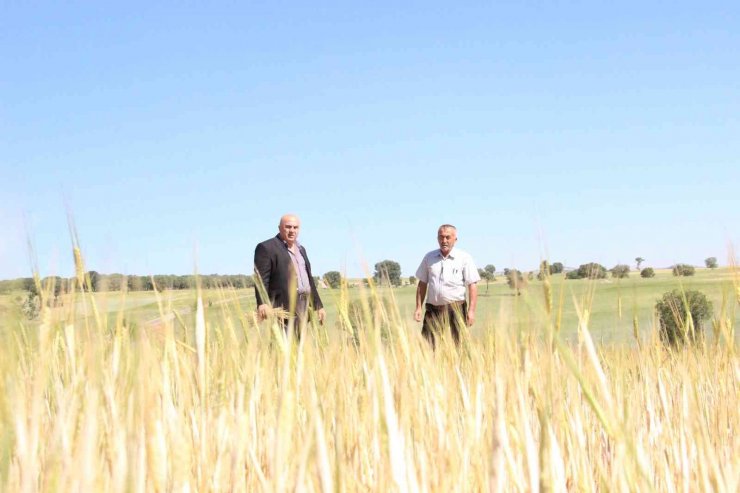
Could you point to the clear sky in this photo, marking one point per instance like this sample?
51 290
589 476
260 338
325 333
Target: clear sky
580 131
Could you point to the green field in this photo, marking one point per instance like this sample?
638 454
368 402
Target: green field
498 307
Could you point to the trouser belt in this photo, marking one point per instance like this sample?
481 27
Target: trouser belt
439 308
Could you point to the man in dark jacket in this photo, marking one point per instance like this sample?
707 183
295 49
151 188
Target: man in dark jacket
282 266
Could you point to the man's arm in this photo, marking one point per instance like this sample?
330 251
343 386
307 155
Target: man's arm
473 301
421 293
315 299
262 272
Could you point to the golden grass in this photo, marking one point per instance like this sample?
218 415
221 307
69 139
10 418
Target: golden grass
368 407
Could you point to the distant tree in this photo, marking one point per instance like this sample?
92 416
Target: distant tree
591 270
545 270
681 315
388 268
683 270
184 282
29 284
491 269
515 280
412 280
620 271
639 261
711 262
94 280
144 283
486 276
135 283
647 272
333 279
53 284
112 282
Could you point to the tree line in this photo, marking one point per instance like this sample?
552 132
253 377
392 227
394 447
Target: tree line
115 282
386 271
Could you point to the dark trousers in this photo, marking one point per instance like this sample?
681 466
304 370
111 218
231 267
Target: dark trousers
299 318
438 318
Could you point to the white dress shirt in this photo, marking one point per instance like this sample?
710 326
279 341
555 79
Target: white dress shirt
447 277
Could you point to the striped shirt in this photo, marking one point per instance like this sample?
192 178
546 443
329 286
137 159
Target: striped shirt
299 267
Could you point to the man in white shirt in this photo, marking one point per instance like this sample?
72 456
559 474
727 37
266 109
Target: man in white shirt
444 275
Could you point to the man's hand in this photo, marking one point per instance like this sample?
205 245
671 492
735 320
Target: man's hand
263 311
322 315
471 318
417 314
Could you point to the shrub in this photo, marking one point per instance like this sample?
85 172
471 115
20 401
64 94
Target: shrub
591 270
620 271
647 272
333 279
683 270
681 316
515 280
389 269
31 306
545 270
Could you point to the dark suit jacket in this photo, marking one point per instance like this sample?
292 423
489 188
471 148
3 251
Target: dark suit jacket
272 263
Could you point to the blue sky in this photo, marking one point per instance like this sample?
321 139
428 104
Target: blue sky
177 135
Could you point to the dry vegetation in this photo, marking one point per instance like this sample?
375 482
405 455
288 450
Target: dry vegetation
234 406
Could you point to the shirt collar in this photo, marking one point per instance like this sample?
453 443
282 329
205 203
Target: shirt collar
285 243
449 255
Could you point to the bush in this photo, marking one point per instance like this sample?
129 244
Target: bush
647 272
682 316
515 280
545 270
389 269
683 270
333 279
31 306
591 270
620 271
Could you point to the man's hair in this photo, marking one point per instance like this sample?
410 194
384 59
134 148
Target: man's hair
447 226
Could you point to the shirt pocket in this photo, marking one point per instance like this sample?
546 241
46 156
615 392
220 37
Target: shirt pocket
453 276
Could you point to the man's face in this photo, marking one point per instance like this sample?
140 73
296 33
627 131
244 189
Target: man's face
289 226
446 237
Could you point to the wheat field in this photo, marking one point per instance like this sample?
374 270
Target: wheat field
205 403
